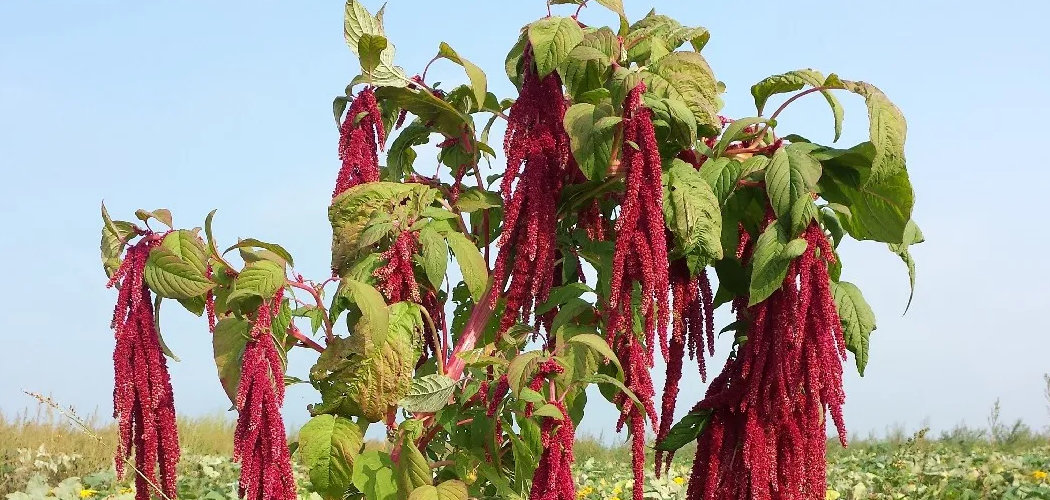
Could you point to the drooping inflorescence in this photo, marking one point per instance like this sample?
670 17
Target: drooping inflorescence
640 258
259 441
553 479
360 134
766 435
143 403
395 278
538 158
692 326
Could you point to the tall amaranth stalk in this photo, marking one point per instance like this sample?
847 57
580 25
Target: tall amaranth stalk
143 403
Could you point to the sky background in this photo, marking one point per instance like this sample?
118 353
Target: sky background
195 105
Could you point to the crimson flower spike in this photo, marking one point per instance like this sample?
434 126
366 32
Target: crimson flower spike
766 435
360 134
640 256
538 163
259 441
143 403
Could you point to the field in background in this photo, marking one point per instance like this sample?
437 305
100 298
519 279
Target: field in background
44 456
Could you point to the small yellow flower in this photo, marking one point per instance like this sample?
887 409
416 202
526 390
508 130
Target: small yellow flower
127 491
615 498
87 493
679 480
1039 475
832 495
616 491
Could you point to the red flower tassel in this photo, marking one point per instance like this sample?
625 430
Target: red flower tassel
553 478
537 150
143 403
766 436
396 279
361 131
259 441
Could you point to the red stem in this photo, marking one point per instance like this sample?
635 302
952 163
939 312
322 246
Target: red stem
305 340
479 317
320 305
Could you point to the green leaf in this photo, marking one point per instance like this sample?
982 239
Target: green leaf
273 247
691 211
354 210
887 130
358 22
374 322
676 117
473 199
791 174
161 214
471 263
912 236
549 410
374 476
561 294
598 345
412 470
600 378
552 39
261 278
369 47
428 394
615 6
802 213
189 247
793 81
685 431
521 366
114 235
591 144
401 156
169 276
686 77
435 256
228 342
877 211
478 81
858 320
721 174
328 446
735 132
452 489
770 263
585 68
444 116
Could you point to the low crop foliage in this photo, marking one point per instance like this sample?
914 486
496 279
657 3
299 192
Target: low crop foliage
627 211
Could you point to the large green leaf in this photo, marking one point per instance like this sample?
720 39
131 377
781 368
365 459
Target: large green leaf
686 77
114 235
374 320
261 278
413 469
876 211
791 82
791 174
435 256
772 257
552 39
374 476
452 489
443 116
328 445
685 431
478 81
169 276
471 263
692 212
675 117
273 247
401 156
352 211
887 130
228 342
858 320
722 175
428 394
587 65
591 129
357 21
189 247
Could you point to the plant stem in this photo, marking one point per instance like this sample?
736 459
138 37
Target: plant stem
307 341
320 305
773 117
479 317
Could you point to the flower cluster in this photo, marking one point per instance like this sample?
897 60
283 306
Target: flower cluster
359 136
766 435
538 160
259 441
553 478
692 323
396 279
640 257
143 403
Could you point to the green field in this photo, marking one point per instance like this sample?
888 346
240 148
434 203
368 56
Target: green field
42 456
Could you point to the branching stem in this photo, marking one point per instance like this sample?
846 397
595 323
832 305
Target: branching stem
320 305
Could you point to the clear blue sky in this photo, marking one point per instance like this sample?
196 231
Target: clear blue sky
195 105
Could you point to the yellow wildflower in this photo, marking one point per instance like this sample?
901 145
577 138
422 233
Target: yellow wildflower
87 493
832 495
679 480
1039 475
616 491
615 498
127 491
